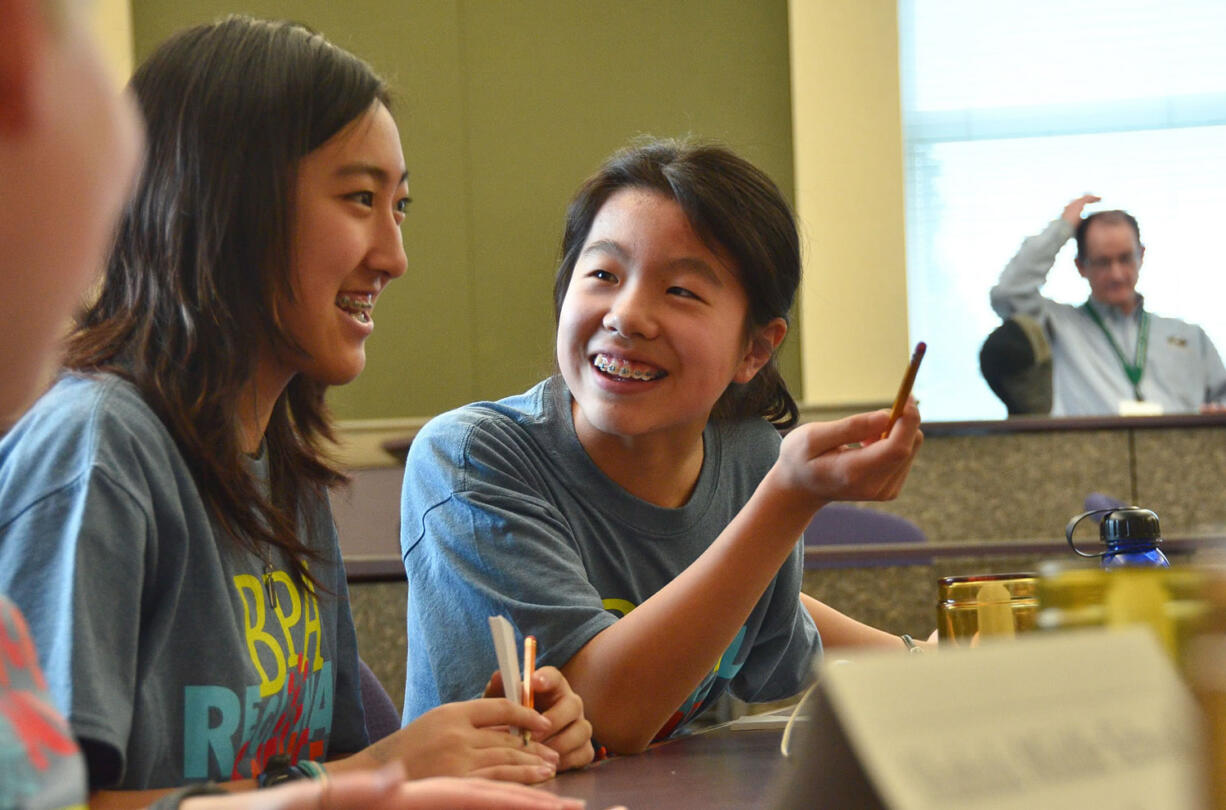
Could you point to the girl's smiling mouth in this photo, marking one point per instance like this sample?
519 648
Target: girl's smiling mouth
622 369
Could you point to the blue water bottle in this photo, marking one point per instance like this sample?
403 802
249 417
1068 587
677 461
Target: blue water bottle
1131 535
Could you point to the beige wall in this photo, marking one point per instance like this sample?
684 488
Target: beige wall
112 24
847 137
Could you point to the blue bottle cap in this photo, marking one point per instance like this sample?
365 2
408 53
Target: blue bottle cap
1130 526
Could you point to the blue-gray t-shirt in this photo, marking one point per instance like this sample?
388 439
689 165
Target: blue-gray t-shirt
504 513
161 640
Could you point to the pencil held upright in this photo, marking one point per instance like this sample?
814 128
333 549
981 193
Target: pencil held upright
529 671
904 390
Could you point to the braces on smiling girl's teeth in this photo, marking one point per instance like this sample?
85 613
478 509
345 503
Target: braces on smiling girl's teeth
610 366
357 307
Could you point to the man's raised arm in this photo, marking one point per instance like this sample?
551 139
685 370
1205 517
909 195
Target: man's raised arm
1017 289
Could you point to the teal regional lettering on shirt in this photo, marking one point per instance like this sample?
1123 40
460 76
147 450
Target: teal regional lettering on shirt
289 710
725 669
287 722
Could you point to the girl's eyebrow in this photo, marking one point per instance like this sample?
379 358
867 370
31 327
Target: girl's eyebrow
607 246
700 267
377 173
690 263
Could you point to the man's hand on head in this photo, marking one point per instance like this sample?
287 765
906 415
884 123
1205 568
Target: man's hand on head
1072 211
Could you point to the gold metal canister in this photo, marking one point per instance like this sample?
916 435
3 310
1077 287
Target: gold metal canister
1204 665
971 609
1171 601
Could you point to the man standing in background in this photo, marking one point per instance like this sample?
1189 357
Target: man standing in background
1109 355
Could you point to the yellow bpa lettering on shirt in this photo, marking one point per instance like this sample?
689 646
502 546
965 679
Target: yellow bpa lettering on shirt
312 627
295 612
622 606
253 626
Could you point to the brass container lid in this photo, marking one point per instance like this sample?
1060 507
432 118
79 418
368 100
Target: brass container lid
972 589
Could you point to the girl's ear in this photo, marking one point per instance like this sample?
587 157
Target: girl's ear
762 344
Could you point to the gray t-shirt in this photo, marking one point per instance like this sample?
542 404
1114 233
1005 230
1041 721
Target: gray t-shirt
161 640
504 513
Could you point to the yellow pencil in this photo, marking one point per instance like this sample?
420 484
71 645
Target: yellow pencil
904 390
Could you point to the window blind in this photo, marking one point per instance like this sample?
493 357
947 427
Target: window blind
1010 110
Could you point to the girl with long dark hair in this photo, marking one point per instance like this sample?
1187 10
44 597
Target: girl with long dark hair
164 519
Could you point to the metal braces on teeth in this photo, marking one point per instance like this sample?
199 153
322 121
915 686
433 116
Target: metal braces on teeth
611 367
349 302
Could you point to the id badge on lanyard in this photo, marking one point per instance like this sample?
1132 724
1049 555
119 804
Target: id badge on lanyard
1134 370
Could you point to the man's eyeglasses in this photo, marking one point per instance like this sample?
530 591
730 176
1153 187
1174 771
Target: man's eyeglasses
1127 261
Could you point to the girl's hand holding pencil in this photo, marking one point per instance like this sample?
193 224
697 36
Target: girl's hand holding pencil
570 732
469 738
849 460
861 458
546 689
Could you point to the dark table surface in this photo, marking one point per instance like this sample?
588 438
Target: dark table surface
725 767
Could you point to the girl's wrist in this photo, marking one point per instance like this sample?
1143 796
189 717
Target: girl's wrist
364 760
789 496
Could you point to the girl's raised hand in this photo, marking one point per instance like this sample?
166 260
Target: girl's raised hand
468 738
848 460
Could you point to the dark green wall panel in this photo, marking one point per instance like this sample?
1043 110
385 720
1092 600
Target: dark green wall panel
504 108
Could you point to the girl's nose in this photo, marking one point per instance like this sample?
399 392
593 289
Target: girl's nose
387 250
631 315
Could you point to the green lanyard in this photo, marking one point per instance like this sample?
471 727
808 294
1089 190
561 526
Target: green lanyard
1136 368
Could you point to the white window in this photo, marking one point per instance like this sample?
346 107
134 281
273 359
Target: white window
1010 110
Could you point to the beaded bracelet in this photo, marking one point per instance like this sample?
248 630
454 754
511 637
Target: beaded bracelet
312 770
278 770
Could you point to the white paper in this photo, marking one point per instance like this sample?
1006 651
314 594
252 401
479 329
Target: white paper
508 657
1064 720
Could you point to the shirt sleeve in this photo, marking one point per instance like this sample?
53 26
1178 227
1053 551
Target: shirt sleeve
781 660
1017 290
478 545
75 560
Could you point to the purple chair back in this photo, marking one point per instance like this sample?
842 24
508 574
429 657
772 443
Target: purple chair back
842 524
381 715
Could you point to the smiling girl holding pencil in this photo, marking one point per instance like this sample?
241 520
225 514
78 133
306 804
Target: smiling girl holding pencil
638 513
